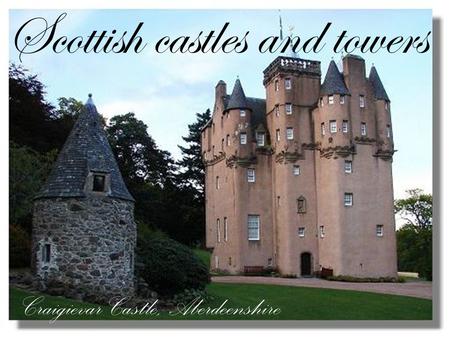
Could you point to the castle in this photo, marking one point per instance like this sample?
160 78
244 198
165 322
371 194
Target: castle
302 181
84 234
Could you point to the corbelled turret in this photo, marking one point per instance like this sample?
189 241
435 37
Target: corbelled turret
379 92
334 82
237 98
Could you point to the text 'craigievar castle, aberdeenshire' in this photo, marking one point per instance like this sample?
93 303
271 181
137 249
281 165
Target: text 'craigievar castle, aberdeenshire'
302 181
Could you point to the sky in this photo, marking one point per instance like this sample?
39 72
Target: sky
166 90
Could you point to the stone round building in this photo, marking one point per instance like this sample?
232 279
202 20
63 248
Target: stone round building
84 234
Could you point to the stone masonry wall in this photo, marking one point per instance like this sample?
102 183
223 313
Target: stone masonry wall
92 242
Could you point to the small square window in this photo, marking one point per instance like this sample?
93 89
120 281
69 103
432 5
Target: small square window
301 232
363 129
348 167
362 101
242 113
98 183
379 230
260 139
322 231
287 83
333 126
290 133
288 109
330 99
296 170
348 199
251 177
345 126
342 99
243 138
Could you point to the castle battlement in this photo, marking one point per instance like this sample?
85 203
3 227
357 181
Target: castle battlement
291 65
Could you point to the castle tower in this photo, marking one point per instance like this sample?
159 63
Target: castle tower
354 179
292 88
84 233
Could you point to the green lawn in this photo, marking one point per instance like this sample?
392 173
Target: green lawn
299 303
204 255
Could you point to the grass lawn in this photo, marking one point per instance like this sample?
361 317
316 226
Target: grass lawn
298 303
204 255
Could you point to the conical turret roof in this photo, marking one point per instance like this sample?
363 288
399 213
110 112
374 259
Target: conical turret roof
86 150
334 82
378 88
237 98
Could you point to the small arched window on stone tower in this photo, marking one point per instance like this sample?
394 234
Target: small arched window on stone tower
301 205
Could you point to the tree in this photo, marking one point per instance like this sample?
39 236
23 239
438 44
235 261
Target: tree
193 174
415 238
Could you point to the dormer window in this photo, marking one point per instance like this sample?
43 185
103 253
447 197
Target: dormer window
242 113
288 108
287 84
330 99
99 182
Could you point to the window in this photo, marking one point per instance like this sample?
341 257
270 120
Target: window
225 229
222 144
348 199
333 126
216 260
278 201
301 205
330 99
253 227
321 102
251 175
322 231
213 149
269 261
296 170
379 230
278 135
342 99
363 129
301 232
260 139
322 128
345 126
242 113
218 230
388 131
243 138
217 182
289 133
287 84
228 140
277 86
98 183
362 102
288 108
46 253
277 110
348 167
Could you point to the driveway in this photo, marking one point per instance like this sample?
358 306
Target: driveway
420 289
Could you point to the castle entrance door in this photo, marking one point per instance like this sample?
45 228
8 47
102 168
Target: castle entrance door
305 264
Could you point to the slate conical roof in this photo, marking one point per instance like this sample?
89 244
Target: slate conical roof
378 88
334 82
86 149
237 98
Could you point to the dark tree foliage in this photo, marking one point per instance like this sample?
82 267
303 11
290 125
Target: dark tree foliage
193 173
170 267
415 238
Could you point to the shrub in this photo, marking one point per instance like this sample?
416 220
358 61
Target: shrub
170 267
19 247
343 278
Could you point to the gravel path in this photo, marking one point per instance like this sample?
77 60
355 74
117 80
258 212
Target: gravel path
420 289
